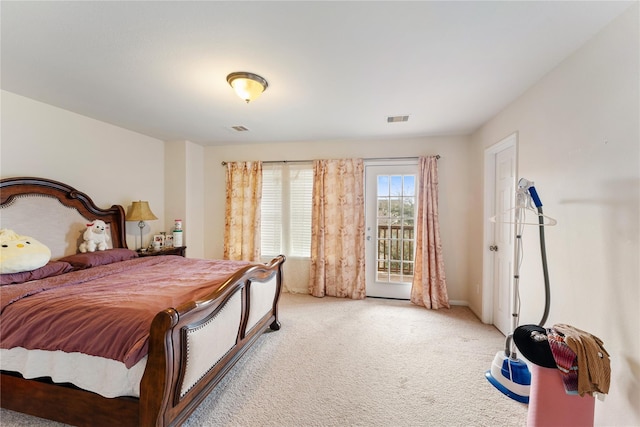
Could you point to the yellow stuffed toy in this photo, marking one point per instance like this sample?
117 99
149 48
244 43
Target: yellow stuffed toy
21 253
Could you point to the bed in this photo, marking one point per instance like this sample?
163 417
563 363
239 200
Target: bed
192 323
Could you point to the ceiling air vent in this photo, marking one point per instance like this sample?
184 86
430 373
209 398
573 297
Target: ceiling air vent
239 128
396 119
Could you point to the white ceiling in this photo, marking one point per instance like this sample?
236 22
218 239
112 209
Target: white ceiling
336 69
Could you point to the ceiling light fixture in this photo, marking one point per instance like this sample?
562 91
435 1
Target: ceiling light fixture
248 86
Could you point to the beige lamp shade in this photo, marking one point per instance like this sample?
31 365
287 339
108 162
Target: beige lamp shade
247 86
140 211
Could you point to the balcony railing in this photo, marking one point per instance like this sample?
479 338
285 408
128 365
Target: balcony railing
396 249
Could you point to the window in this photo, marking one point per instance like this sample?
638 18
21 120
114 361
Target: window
286 209
395 219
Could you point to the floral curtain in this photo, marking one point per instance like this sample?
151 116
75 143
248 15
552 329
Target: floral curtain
242 211
337 235
429 287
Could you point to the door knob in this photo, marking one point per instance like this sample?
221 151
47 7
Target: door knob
493 248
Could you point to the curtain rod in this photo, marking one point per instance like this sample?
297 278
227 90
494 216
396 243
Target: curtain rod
368 158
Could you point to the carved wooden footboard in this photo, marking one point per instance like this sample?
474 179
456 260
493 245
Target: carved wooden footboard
191 347
180 372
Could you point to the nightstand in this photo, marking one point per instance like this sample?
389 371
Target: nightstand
165 251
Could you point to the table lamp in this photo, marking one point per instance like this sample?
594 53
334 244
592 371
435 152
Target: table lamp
141 212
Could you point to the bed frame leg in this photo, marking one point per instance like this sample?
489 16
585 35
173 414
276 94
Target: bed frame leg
275 326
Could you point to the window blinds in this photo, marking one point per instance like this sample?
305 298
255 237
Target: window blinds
286 209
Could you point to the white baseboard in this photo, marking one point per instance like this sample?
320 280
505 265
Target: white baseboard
459 302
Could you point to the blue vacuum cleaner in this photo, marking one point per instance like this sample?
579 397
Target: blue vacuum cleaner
509 374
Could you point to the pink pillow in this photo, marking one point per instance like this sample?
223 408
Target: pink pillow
52 268
94 259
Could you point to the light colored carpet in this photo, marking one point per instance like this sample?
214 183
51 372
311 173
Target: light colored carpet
339 362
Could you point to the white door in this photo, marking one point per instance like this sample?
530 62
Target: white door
503 238
500 161
390 195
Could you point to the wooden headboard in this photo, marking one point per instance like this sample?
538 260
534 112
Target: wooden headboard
55 214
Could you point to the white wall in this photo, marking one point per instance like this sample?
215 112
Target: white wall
579 136
42 140
184 193
195 202
110 164
453 184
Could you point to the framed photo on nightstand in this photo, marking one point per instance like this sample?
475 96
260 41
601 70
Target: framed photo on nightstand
168 241
158 242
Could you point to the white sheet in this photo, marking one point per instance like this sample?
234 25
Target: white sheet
106 377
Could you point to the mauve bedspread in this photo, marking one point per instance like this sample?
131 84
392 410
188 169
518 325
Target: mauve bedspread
105 311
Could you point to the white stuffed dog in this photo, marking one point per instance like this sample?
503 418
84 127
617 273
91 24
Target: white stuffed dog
95 237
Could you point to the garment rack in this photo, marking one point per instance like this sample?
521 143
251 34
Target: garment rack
224 163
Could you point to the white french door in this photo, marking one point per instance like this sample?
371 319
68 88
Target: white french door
390 195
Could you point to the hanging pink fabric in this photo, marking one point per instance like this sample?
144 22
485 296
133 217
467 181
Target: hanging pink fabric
337 233
242 211
429 287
